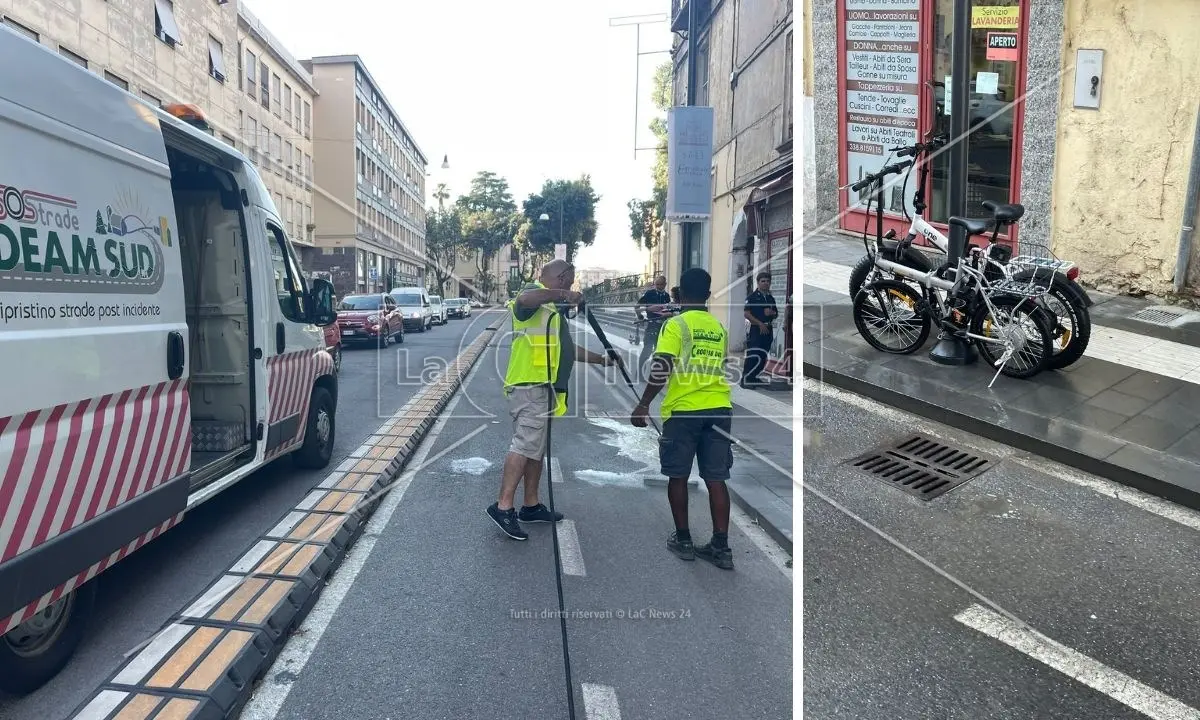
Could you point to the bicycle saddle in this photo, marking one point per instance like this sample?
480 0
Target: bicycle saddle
1005 212
973 226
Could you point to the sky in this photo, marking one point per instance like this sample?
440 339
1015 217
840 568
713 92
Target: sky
529 89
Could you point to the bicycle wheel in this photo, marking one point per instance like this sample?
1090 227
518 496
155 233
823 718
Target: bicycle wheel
1072 324
914 259
1020 333
891 308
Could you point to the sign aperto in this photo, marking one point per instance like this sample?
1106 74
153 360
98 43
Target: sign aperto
1002 46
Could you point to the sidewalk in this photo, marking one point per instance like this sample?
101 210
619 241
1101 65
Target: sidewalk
761 482
1128 411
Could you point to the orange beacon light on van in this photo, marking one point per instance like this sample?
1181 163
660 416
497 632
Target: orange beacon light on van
190 114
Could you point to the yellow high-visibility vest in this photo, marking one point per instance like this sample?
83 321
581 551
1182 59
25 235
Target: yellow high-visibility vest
527 362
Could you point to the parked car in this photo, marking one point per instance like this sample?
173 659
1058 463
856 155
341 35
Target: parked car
333 343
438 310
373 319
457 307
415 307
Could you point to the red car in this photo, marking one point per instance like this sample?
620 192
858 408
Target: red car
333 343
373 318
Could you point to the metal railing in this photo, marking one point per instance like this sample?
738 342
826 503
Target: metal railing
624 290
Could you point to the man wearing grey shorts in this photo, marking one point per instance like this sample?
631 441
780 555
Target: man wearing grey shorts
529 402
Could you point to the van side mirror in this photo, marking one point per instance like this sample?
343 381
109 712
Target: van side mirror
321 303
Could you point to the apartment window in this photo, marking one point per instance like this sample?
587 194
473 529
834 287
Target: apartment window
702 73
22 29
287 218
231 142
287 105
308 166
165 28
155 101
252 133
241 73
277 147
287 154
787 91
296 108
251 75
308 217
116 80
216 59
264 84
77 59
275 94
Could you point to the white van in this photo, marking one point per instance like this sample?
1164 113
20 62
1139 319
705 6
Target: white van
159 340
415 305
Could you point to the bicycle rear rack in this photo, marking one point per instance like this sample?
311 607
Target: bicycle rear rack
1023 289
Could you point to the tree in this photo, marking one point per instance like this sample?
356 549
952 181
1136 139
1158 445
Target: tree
488 191
647 217
488 220
443 242
577 200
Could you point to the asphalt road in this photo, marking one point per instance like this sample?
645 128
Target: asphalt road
140 593
443 618
1113 581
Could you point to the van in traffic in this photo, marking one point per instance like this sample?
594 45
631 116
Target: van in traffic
158 339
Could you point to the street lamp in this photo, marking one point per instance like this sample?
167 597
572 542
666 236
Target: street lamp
545 218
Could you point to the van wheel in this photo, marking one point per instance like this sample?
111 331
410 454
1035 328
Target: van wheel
36 650
319 434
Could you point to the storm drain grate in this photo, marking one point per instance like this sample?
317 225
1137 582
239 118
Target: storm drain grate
1155 316
922 467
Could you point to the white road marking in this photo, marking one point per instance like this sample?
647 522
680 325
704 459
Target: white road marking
101 706
757 535
272 693
149 657
1094 674
556 475
600 702
471 465
1141 352
568 548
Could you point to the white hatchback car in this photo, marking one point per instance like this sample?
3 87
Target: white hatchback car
438 310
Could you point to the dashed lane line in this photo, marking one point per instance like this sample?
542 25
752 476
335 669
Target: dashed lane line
1074 664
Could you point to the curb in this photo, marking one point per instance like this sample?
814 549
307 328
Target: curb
771 528
1183 488
205 662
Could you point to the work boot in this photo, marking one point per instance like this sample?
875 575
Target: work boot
721 557
506 520
539 513
683 549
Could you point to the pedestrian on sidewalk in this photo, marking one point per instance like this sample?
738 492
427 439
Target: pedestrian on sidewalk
656 303
761 311
697 414
530 385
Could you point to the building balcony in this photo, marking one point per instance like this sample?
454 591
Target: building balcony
679 14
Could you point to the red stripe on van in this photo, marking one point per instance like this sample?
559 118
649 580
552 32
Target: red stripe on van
110 454
134 434
89 464
26 497
65 468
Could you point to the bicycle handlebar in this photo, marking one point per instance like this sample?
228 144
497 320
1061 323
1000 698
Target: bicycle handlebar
894 169
916 149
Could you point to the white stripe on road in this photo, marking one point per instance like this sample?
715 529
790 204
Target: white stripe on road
270 697
568 548
556 475
1141 352
1094 674
600 702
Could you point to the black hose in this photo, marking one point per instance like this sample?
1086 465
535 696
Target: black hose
562 609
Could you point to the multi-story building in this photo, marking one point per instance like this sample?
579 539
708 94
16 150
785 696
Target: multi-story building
275 97
166 51
215 55
744 72
503 274
371 201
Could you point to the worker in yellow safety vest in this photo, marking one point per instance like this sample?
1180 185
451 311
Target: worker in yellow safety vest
697 414
540 364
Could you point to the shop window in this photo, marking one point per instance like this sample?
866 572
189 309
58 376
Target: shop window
994 77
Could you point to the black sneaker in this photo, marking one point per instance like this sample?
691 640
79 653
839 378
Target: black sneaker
506 520
539 513
684 550
721 557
